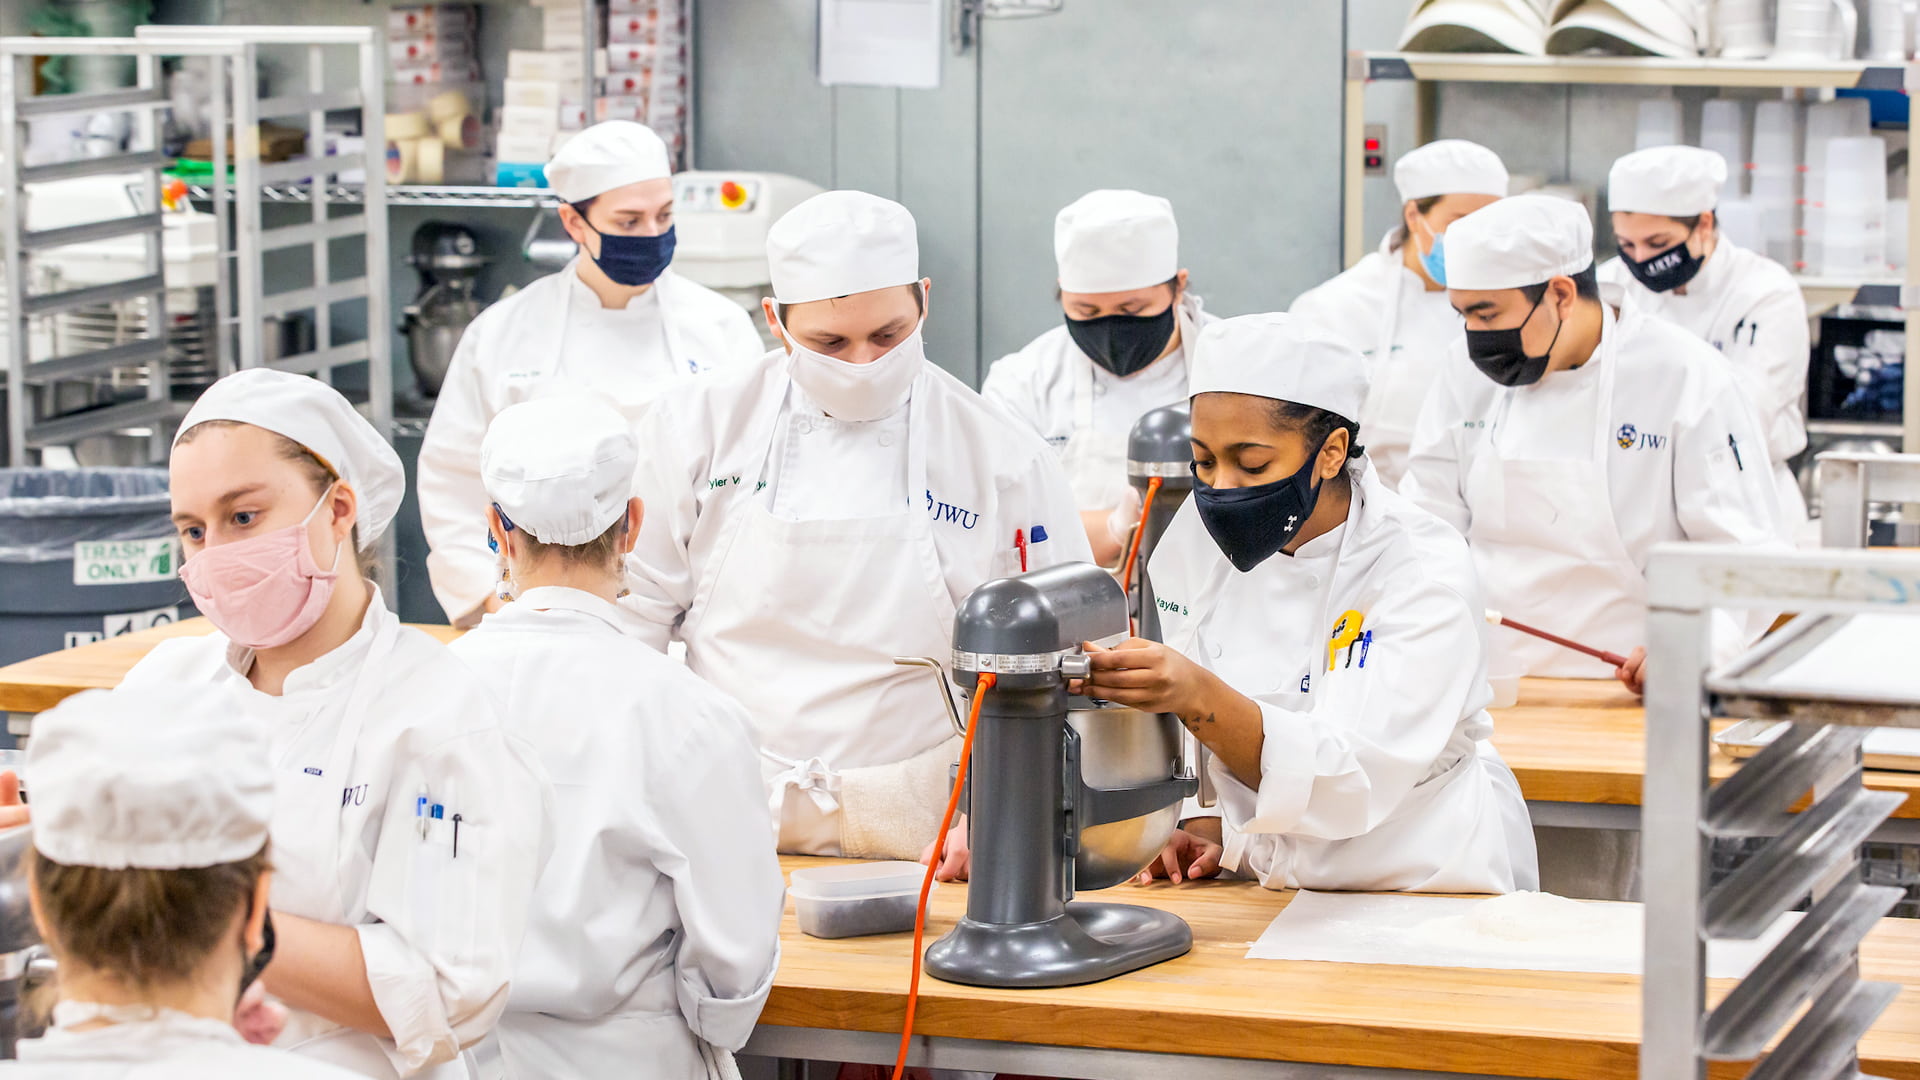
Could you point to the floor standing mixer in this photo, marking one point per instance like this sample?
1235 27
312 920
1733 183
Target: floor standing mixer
1066 794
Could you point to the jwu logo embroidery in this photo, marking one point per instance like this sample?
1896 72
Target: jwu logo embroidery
940 511
1629 438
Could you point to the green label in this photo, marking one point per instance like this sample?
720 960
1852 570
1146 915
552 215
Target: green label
124 562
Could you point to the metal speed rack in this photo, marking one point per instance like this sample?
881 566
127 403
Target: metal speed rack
1850 483
1813 853
242 301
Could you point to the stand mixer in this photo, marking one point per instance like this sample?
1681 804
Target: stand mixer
24 961
1160 447
1068 794
449 262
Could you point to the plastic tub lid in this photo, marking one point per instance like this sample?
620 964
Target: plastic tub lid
855 881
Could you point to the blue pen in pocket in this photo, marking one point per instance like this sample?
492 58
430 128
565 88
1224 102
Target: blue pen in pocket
1366 642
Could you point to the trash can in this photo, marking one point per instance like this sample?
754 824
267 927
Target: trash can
85 554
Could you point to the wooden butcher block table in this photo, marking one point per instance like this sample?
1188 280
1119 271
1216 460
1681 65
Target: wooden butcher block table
1214 1013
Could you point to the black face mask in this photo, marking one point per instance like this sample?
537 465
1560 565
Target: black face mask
1250 524
1666 271
258 962
1500 355
1123 344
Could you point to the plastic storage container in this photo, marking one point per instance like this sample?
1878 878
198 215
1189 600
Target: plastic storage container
857 899
84 554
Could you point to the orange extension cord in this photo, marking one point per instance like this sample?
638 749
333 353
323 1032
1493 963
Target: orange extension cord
1133 550
987 680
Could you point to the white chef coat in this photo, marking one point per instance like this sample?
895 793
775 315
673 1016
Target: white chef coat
656 924
170 1046
1377 774
1404 332
800 618
1651 441
1750 308
554 333
1086 412
827 467
358 736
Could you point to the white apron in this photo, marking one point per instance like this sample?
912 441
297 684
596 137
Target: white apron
1095 460
632 409
800 621
1392 404
1548 550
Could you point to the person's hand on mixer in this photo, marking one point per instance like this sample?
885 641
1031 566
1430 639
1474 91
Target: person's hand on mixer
1147 675
1192 853
1633 673
1154 677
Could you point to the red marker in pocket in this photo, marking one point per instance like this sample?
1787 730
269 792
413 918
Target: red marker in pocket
1020 545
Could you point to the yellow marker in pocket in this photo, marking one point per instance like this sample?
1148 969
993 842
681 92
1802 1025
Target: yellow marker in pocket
1346 631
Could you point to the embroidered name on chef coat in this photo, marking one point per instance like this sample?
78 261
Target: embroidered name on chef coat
1631 438
942 511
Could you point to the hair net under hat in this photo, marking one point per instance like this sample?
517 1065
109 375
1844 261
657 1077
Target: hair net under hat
607 156
173 776
1677 181
1280 357
1449 167
839 243
314 415
560 468
1524 240
1112 241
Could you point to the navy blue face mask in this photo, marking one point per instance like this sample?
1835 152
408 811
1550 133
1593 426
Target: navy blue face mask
1251 524
632 261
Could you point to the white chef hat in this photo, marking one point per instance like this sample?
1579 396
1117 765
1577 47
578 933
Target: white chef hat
1678 181
839 243
1280 357
1111 241
172 776
314 415
1524 240
561 467
607 156
1449 167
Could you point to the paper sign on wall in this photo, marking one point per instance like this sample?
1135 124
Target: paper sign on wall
880 43
124 562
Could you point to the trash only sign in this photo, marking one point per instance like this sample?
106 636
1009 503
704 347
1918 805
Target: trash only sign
124 562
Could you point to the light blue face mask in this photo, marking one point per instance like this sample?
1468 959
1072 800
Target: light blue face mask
1435 262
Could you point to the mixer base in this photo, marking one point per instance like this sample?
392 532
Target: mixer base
1089 943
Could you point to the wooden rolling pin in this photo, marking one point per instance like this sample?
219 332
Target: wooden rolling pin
1601 655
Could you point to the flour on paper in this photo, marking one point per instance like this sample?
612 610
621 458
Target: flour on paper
1518 932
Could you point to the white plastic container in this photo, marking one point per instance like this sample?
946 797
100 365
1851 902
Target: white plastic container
1743 30
1723 130
1853 238
1776 177
1658 124
1739 220
857 899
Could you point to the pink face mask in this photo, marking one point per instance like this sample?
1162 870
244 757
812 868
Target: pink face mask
265 591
